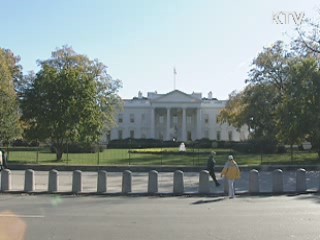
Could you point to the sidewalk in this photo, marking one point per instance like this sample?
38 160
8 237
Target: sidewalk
140 182
159 168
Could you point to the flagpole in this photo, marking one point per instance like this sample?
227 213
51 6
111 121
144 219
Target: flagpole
174 78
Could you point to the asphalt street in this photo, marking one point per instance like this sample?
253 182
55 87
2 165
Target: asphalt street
33 217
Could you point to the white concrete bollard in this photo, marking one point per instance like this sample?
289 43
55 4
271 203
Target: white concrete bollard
178 182
301 185
6 180
204 186
254 186
102 181
29 182
127 181
53 185
153 182
77 181
277 181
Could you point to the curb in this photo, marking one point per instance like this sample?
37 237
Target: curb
117 168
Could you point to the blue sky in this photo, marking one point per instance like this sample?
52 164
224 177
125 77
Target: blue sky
210 43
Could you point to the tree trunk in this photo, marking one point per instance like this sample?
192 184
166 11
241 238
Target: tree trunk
59 152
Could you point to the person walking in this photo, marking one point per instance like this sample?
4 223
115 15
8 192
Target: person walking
231 172
210 167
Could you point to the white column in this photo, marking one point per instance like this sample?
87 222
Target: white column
152 123
199 135
184 125
168 124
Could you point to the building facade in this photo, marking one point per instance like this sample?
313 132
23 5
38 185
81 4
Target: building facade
174 116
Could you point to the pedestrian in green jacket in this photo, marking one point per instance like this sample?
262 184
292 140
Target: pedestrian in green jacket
210 167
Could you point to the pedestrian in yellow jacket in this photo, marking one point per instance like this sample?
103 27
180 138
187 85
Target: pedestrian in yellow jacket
231 172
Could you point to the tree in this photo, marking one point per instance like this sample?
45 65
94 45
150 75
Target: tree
272 66
10 71
71 98
307 43
254 107
306 93
289 118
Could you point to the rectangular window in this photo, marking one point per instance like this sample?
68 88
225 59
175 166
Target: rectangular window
142 117
206 134
120 134
131 134
131 117
189 136
161 119
189 120
218 135
108 137
230 137
206 119
120 119
175 119
161 136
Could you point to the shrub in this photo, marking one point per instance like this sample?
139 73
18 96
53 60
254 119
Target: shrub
252 146
24 143
79 148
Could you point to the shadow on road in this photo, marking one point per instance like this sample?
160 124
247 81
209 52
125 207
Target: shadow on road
315 197
209 201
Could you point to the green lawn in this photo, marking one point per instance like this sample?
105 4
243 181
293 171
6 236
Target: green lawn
165 156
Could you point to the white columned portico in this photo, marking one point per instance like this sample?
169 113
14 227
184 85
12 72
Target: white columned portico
199 123
152 125
168 124
184 125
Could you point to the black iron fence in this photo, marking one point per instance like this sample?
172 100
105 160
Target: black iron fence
165 153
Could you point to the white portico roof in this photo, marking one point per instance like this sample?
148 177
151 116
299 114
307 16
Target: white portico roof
175 96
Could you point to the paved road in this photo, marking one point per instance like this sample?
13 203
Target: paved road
156 218
140 182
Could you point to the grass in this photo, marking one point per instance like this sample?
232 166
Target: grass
157 156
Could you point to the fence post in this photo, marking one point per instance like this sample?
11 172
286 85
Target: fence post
37 155
254 181
29 184
204 186
53 185
277 181
102 181
301 185
98 154
178 183
153 182
77 181
67 153
5 180
127 181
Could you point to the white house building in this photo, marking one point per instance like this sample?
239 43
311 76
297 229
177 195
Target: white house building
174 116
